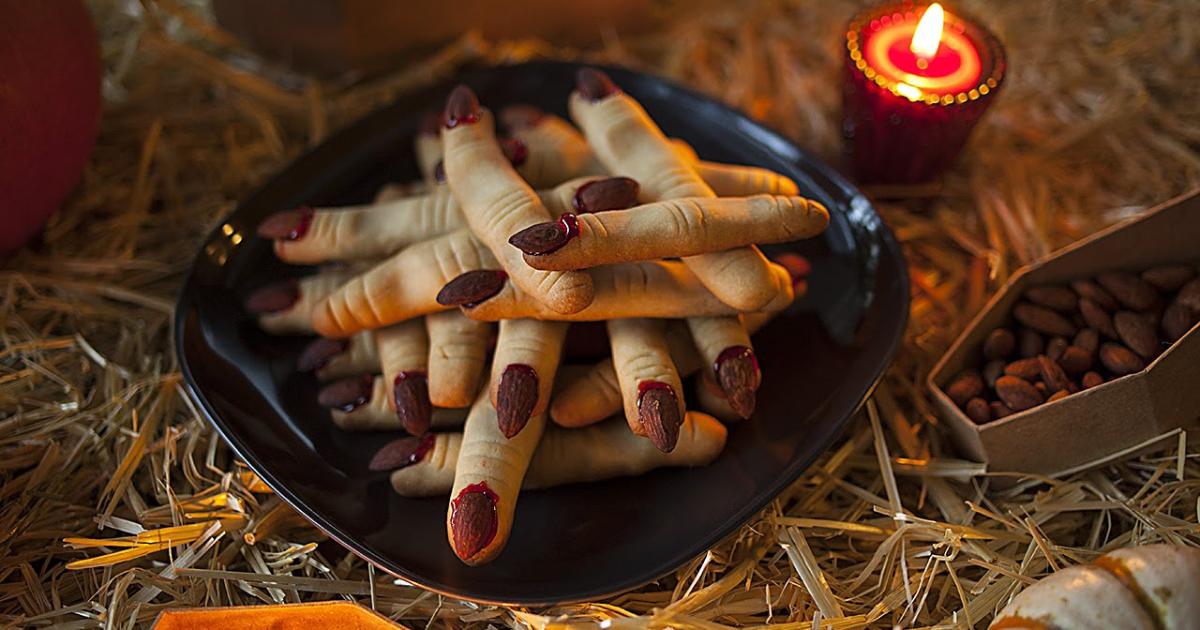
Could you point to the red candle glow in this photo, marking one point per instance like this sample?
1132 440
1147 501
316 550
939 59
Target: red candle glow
916 83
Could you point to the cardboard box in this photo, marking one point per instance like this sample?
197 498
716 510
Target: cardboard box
1091 426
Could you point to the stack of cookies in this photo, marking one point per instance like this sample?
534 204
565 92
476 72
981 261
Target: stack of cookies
605 221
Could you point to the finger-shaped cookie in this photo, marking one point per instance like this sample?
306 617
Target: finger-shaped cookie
364 403
286 307
628 143
659 289
425 468
337 358
498 203
668 229
401 287
735 180
557 151
724 344
527 354
427 146
404 358
594 395
361 232
487 481
650 386
712 400
458 351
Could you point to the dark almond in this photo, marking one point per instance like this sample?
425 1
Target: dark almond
1076 360
602 195
1057 298
1169 277
1137 332
1028 369
992 371
658 411
1129 289
999 409
1041 387
1096 317
1091 379
405 451
1052 374
1088 340
999 344
1189 295
1055 347
1120 360
1043 320
1092 291
739 377
964 387
1017 394
979 411
1029 343
516 397
1177 320
471 288
1058 395
473 520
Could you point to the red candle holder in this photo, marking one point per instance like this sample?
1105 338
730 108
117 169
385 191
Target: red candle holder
907 116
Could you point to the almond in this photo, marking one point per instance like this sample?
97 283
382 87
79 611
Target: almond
1129 289
1057 298
1189 295
1096 317
1087 340
999 344
1029 343
1055 347
1169 277
1028 369
978 410
1137 332
1092 291
1053 375
1076 360
992 371
1091 379
1177 320
1043 320
1017 394
964 387
999 409
1120 360
1058 395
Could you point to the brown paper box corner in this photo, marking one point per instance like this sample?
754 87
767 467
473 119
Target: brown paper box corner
1117 416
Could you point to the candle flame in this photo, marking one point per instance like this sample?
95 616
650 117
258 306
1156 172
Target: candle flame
928 35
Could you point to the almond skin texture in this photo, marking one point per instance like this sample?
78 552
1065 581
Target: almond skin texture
1096 317
1091 379
1027 369
1087 340
965 387
1058 395
992 371
1120 360
1057 298
1029 343
1189 295
1092 291
1137 332
1076 360
1129 289
1177 320
1169 278
999 344
999 409
1053 375
1017 393
979 411
1043 320
1055 347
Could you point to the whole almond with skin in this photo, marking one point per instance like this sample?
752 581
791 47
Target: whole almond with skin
1091 379
1075 360
964 387
1057 298
1055 347
1029 343
1092 291
999 344
992 371
1017 394
1096 317
1058 395
1053 375
1177 320
1129 289
1189 295
1028 369
1137 332
1041 387
1120 360
1087 340
1043 319
978 410
999 409
1169 277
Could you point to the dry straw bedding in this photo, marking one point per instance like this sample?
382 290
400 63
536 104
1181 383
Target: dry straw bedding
1100 118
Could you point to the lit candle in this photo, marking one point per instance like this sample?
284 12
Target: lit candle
916 84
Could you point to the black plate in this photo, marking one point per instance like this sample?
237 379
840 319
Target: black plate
820 359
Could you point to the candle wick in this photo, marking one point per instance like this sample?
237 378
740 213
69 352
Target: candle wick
922 63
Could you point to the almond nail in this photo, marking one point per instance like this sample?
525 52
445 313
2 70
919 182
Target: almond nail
462 108
545 238
473 520
289 225
403 452
515 151
612 193
319 353
273 298
472 287
658 411
516 396
516 117
593 84
410 392
739 376
347 394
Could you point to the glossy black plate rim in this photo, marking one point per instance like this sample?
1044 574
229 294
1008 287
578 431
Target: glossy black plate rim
311 162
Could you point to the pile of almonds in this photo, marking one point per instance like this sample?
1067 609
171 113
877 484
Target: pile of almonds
1068 339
